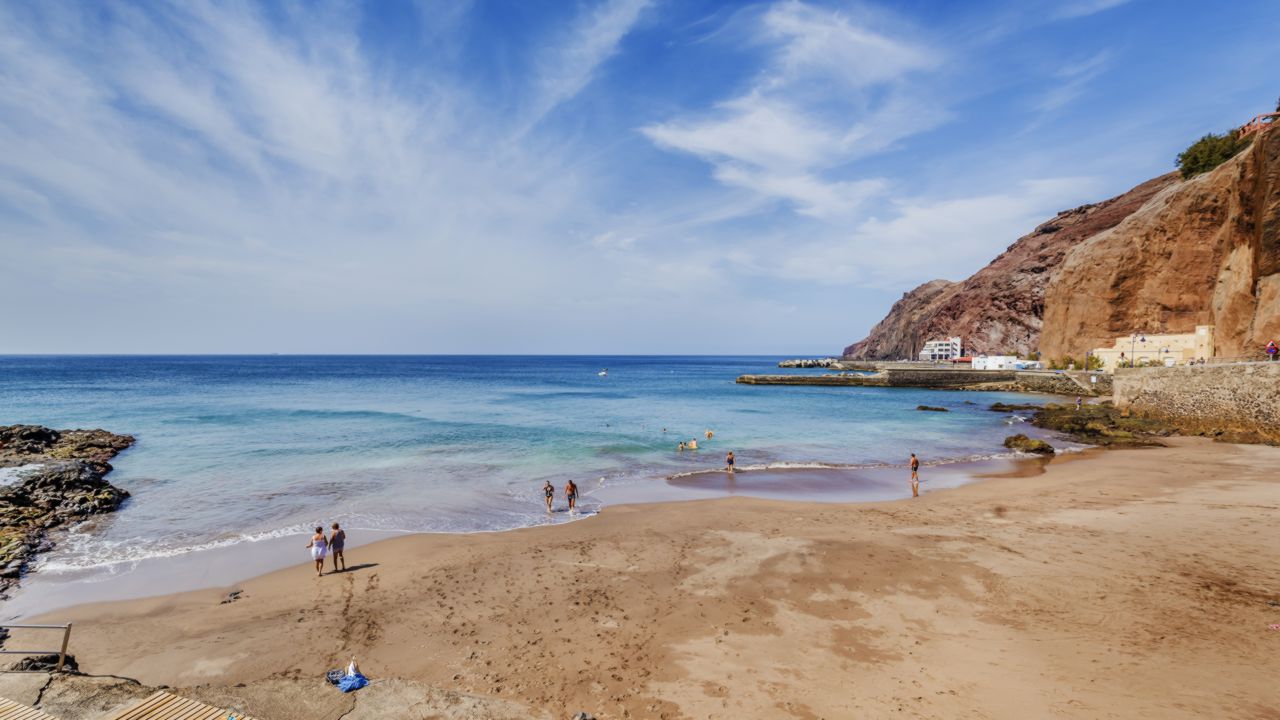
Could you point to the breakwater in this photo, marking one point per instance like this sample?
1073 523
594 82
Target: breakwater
946 378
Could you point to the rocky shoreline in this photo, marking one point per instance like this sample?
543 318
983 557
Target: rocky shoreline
62 483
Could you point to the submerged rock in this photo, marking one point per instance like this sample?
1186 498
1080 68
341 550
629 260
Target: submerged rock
930 408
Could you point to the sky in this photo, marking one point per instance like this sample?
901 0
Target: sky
564 177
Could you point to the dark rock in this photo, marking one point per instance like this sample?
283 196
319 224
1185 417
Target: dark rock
1022 443
67 487
583 716
44 663
930 408
1101 424
1002 407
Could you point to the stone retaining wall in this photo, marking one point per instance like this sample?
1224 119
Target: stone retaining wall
1242 397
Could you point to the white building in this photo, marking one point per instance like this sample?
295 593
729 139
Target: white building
996 362
935 350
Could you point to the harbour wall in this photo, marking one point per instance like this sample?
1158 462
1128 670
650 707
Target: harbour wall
1236 398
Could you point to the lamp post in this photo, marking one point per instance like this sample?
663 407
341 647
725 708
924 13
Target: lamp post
1134 339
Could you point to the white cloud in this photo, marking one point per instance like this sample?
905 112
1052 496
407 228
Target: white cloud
1083 8
592 40
924 239
1072 80
832 92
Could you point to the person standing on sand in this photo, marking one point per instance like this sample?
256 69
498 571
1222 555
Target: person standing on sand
319 545
728 462
1079 402
915 476
337 541
571 492
550 491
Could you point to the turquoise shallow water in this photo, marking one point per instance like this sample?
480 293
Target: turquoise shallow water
242 448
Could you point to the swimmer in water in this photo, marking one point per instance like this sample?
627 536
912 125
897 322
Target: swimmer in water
693 444
728 462
550 491
680 447
709 434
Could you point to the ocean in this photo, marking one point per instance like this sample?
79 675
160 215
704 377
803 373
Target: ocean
235 449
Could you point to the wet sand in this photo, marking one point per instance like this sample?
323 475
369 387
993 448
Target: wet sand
1129 584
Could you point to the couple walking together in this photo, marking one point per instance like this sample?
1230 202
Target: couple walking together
570 494
333 544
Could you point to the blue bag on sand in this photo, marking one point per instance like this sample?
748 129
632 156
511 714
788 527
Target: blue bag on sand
352 683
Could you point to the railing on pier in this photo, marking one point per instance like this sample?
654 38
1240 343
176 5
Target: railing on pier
61 653
1259 124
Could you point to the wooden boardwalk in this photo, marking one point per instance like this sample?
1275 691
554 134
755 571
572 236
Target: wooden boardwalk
10 710
163 706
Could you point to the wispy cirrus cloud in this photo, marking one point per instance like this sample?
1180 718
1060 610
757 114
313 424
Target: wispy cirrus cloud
1072 80
1084 8
573 59
831 92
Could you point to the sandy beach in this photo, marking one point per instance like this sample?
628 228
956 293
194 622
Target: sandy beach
1121 584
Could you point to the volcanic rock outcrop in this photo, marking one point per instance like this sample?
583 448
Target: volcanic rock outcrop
65 486
1203 252
1166 256
1000 308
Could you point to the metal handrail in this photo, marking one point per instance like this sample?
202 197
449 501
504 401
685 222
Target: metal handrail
62 654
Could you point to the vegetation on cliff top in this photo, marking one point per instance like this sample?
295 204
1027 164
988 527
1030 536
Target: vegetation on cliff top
1209 152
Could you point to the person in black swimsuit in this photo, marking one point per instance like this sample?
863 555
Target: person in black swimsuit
728 462
338 541
550 491
915 476
571 492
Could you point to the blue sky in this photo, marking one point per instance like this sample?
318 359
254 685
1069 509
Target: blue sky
626 176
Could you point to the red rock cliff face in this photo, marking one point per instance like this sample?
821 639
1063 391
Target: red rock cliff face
1201 252
1000 308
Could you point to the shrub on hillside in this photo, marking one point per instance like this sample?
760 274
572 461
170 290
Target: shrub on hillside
1209 152
1066 362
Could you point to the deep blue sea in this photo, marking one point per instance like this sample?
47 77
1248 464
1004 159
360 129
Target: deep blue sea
240 448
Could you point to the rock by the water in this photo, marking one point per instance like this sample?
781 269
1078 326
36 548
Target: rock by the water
1003 407
67 486
1022 443
930 408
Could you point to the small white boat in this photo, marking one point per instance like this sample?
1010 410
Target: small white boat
604 373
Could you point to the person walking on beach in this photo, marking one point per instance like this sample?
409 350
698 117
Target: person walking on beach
915 476
728 462
550 491
319 546
1079 402
337 541
571 492
1272 350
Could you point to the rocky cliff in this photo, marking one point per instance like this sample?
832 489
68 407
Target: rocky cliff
999 309
1205 251
1162 258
